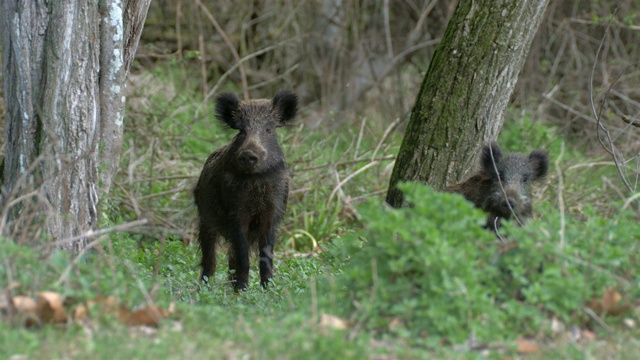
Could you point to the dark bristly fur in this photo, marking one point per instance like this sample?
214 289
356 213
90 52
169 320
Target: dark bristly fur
507 191
241 194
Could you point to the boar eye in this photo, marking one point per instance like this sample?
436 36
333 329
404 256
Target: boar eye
501 175
525 179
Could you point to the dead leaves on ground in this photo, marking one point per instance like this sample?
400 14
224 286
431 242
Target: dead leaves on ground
611 303
522 345
526 346
52 308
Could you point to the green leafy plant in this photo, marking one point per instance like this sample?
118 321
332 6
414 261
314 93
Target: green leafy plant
561 263
432 269
426 267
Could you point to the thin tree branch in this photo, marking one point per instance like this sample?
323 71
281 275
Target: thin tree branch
243 75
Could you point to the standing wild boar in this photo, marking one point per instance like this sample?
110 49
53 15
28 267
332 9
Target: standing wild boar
242 191
502 186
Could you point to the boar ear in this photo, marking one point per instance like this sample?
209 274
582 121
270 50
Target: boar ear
286 104
227 105
487 160
540 162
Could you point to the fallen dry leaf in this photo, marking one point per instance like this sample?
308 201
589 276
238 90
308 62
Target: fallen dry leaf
149 315
25 308
81 312
595 305
589 335
527 346
24 304
557 326
610 304
108 305
50 307
610 299
630 323
333 322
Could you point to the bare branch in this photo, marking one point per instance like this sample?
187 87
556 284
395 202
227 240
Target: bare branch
610 147
243 75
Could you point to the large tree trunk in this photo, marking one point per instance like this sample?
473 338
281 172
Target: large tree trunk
64 68
465 91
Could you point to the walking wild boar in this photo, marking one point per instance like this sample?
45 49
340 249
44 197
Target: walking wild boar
241 194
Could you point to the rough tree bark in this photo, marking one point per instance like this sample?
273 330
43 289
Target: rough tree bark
465 91
64 68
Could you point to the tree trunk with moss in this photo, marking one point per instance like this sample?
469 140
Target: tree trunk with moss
465 91
64 68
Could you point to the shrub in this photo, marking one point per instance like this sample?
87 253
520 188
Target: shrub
559 267
431 271
425 267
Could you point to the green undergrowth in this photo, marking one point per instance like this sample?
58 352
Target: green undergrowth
419 282
211 323
427 267
432 269
404 281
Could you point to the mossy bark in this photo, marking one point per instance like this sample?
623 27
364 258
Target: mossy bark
64 69
465 91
